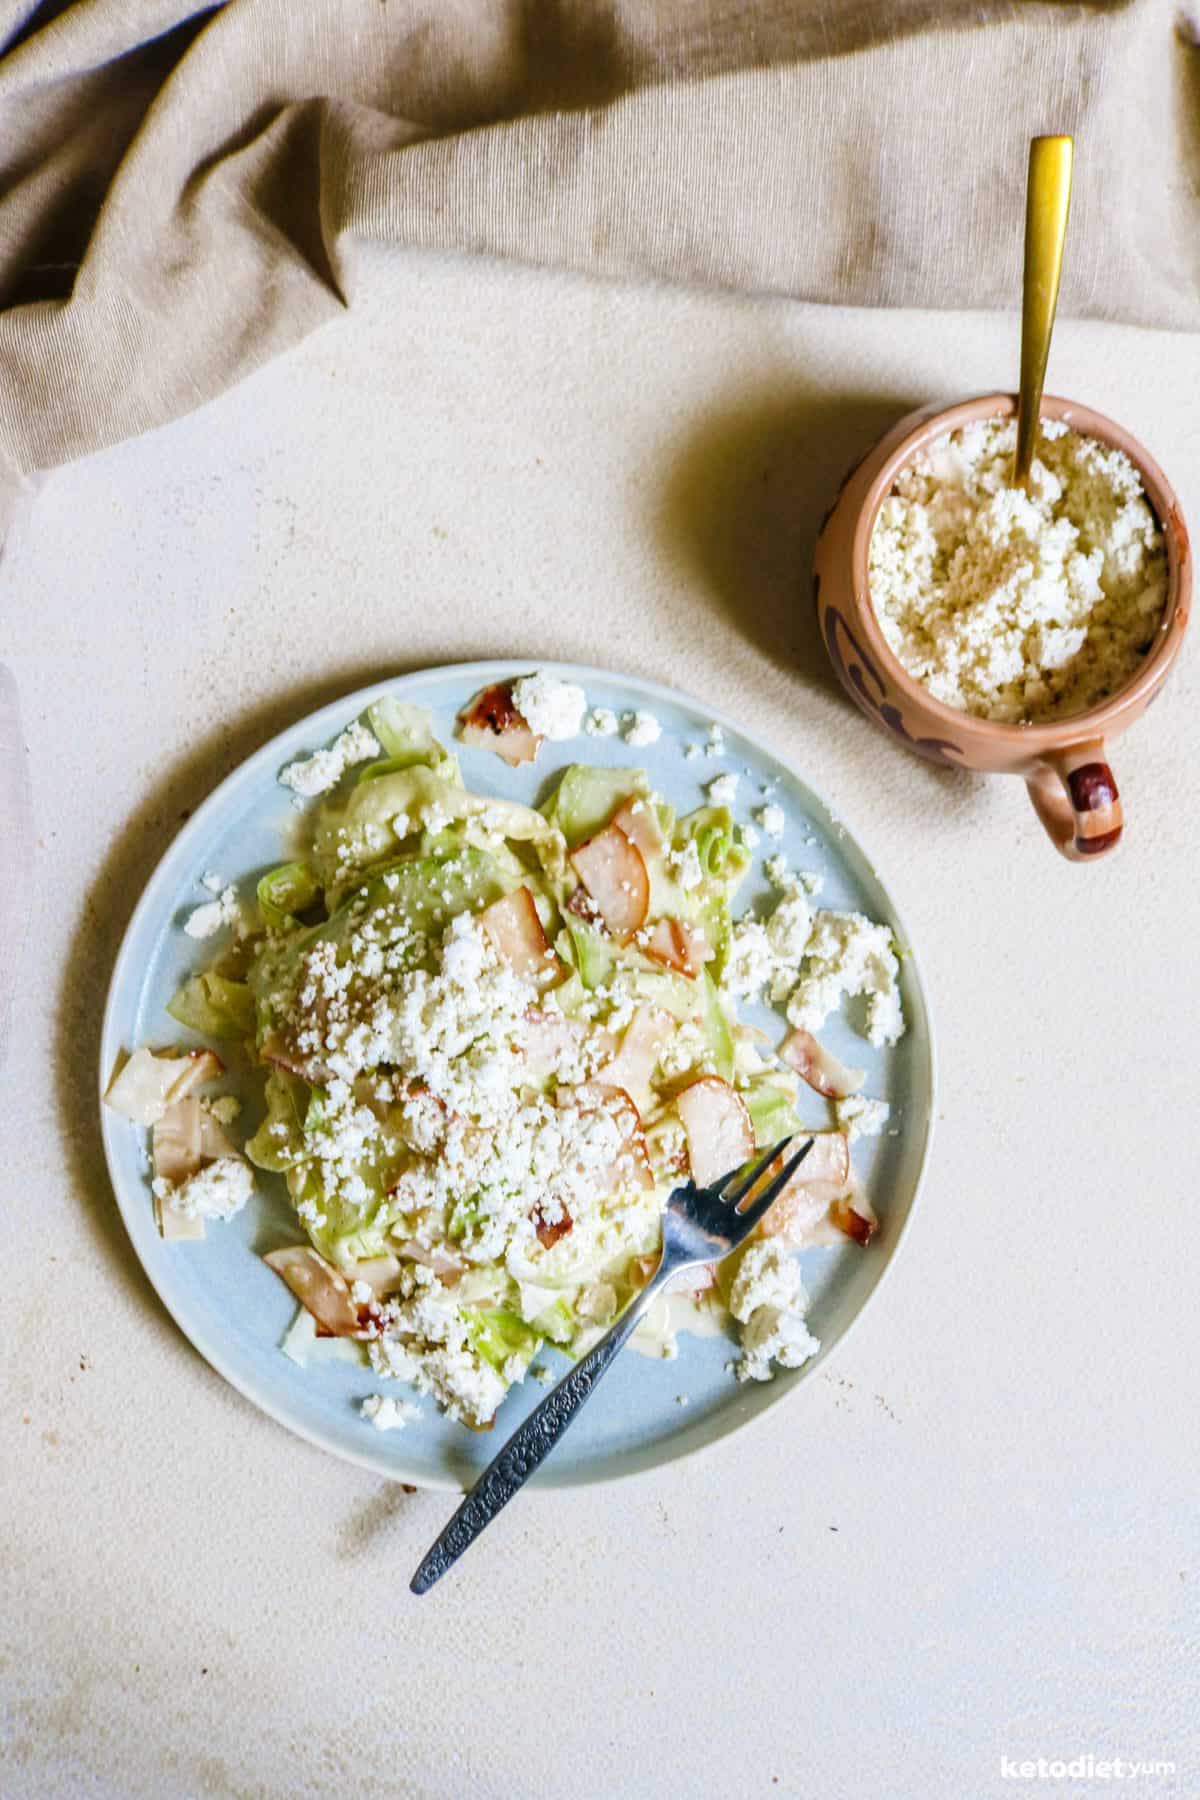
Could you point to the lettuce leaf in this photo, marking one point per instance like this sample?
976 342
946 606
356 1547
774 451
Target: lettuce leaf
406 734
285 891
216 1006
373 822
586 798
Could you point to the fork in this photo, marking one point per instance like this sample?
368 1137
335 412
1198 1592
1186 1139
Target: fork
700 1225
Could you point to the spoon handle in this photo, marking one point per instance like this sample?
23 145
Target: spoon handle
1047 203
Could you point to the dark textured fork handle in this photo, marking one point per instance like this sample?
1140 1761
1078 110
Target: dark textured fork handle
531 1443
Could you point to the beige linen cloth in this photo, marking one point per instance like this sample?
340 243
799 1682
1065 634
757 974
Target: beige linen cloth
183 191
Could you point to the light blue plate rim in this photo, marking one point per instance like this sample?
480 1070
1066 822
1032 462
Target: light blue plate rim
312 730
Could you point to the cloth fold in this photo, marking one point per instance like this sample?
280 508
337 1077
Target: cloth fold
183 190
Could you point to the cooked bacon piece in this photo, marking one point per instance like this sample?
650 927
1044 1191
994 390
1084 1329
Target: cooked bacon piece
854 1215
819 1066
817 1184
549 1233
635 1062
492 722
639 821
614 873
149 1083
182 1141
548 1038
323 1291
719 1131
631 1162
317 1074
678 946
514 928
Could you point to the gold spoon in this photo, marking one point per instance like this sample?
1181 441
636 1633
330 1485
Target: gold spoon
1047 203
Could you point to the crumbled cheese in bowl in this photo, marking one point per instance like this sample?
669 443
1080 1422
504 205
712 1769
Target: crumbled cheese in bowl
1018 607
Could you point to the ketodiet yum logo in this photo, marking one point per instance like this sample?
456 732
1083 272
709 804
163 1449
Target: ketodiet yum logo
1085 1768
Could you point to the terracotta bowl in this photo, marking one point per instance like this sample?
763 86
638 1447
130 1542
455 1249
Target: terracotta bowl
1064 763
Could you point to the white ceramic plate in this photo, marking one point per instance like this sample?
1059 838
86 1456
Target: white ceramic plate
235 1310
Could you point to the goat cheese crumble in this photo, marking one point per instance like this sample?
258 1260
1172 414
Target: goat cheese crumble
386 1414
552 708
723 790
217 1191
642 728
859 1116
769 1301
602 722
206 920
1018 606
317 774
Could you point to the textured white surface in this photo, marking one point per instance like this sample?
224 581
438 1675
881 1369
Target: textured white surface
974 1536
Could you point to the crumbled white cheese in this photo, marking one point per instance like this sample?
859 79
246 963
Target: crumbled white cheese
686 866
771 818
749 964
847 954
552 708
214 883
750 837
777 871
715 745
386 1414
641 728
770 950
723 790
859 1116
602 722
691 752
766 1276
1012 605
316 774
214 915
217 1191
768 1299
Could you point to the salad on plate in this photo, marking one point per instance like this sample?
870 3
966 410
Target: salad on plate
490 1038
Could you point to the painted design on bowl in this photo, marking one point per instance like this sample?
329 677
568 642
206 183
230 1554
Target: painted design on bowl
854 675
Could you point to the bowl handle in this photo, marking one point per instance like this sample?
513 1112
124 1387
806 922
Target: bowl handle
1075 795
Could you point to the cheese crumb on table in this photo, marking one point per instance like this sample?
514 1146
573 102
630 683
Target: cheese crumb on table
313 775
552 708
1018 606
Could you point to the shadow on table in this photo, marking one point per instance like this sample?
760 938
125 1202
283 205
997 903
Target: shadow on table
742 507
135 849
741 510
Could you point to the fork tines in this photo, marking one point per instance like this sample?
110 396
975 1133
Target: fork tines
738 1185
